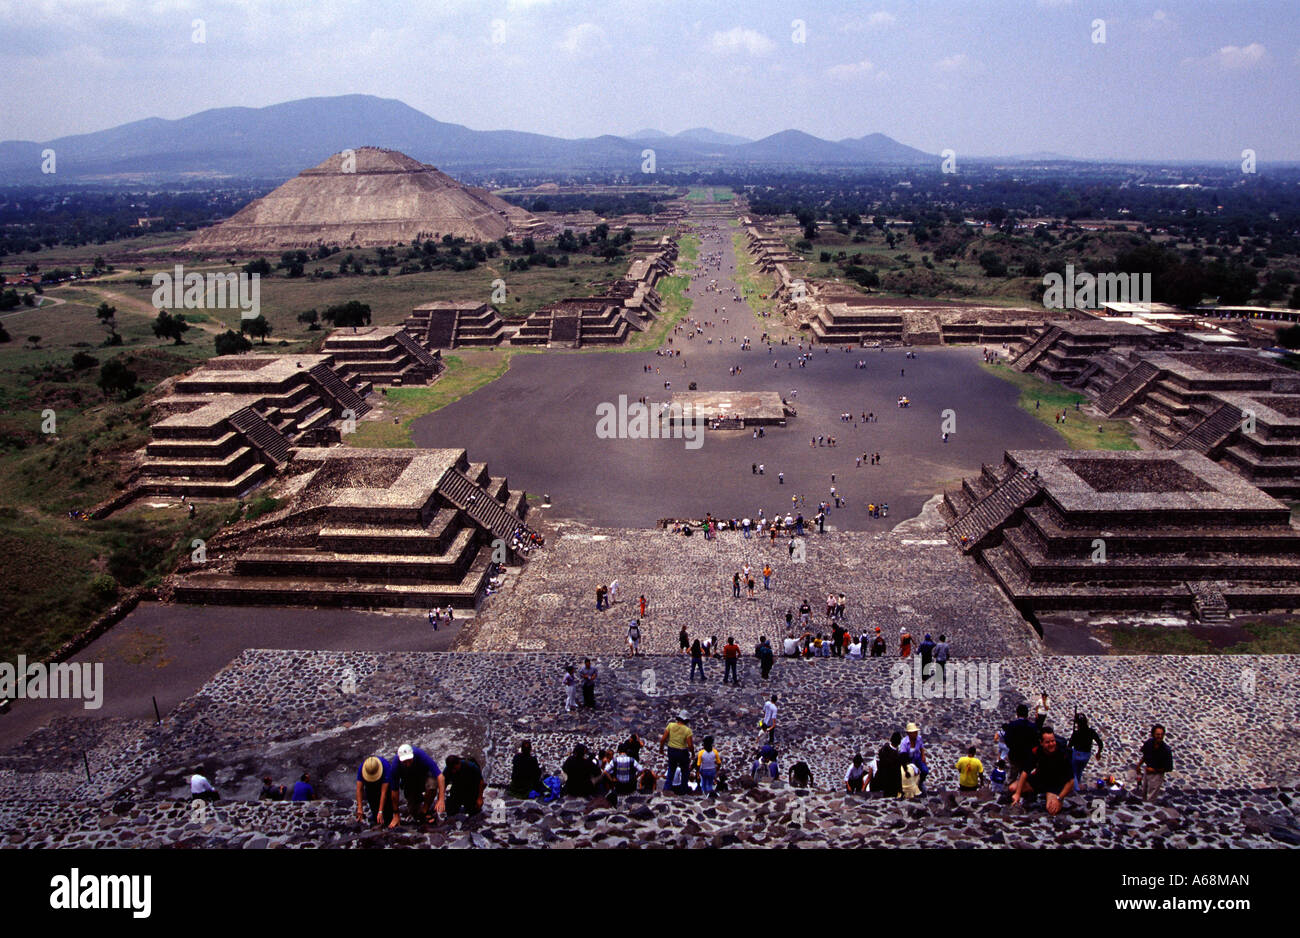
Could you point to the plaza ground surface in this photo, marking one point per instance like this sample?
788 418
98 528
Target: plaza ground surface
537 424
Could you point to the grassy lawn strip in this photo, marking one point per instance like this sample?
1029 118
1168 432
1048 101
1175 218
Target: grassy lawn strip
757 286
1044 400
688 251
1267 639
465 374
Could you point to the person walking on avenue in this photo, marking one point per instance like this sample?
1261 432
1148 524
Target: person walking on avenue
735 585
730 659
642 602
1156 760
697 660
766 657
1081 741
570 689
768 722
588 675
634 637
941 653
680 743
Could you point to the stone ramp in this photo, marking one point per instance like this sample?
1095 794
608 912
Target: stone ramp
1127 388
1213 431
993 511
417 351
476 502
1027 359
260 434
337 389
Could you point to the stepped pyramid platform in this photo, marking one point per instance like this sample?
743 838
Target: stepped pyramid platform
455 324
1175 531
368 528
382 355
1063 348
575 322
227 426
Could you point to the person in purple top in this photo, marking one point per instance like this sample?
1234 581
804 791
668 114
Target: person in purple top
413 774
302 790
374 788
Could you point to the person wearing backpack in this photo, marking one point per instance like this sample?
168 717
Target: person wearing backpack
634 637
708 761
766 657
623 771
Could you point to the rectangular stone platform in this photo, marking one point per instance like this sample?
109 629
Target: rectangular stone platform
749 408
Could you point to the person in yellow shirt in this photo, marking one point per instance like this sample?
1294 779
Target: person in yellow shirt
970 771
680 743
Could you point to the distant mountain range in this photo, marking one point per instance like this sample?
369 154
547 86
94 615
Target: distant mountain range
278 141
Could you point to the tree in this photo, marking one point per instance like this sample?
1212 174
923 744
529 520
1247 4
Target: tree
116 378
311 318
232 343
167 326
107 316
352 313
993 265
258 328
260 266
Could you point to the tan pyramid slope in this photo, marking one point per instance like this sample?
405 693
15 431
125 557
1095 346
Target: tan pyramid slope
390 198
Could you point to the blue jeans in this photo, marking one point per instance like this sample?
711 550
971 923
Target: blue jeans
697 663
1079 761
729 669
706 780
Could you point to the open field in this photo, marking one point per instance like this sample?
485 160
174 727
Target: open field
1044 400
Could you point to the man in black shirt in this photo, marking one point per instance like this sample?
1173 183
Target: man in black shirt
1156 759
1021 736
888 779
1052 775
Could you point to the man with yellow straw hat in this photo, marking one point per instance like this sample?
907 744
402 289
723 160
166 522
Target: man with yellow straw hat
375 789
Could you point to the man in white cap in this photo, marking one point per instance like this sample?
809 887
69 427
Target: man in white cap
680 743
201 789
413 776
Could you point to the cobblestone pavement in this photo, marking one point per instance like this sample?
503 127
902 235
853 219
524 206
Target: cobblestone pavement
286 712
910 576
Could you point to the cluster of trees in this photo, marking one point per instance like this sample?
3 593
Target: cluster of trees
35 218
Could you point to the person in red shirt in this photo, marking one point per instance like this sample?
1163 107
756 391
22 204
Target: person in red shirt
904 643
730 658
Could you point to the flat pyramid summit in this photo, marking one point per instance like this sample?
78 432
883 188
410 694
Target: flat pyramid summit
363 198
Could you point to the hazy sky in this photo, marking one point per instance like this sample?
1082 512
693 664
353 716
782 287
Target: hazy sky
1200 79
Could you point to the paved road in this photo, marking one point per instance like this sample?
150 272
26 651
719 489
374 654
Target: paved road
537 423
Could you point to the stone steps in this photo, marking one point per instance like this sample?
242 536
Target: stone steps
1127 388
1027 358
993 510
254 428
340 391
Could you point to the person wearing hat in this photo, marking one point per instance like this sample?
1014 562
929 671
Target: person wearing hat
912 748
904 642
374 788
680 743
413 775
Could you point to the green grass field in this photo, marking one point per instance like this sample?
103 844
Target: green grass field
1264 639
1044 400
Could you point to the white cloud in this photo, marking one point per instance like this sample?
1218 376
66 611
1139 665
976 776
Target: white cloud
740 39
856 70
1237 57
954 63
872 21
585 37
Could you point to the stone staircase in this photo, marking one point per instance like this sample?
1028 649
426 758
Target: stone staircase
993 510
338 389
418 352
1085 376
1026 359
260 434
476 502
1213 431
1126 388
1208 602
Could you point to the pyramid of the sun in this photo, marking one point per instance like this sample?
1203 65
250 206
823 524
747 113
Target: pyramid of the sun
368 198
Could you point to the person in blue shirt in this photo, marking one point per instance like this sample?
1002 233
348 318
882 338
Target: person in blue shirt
375 789
413 773
302 790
